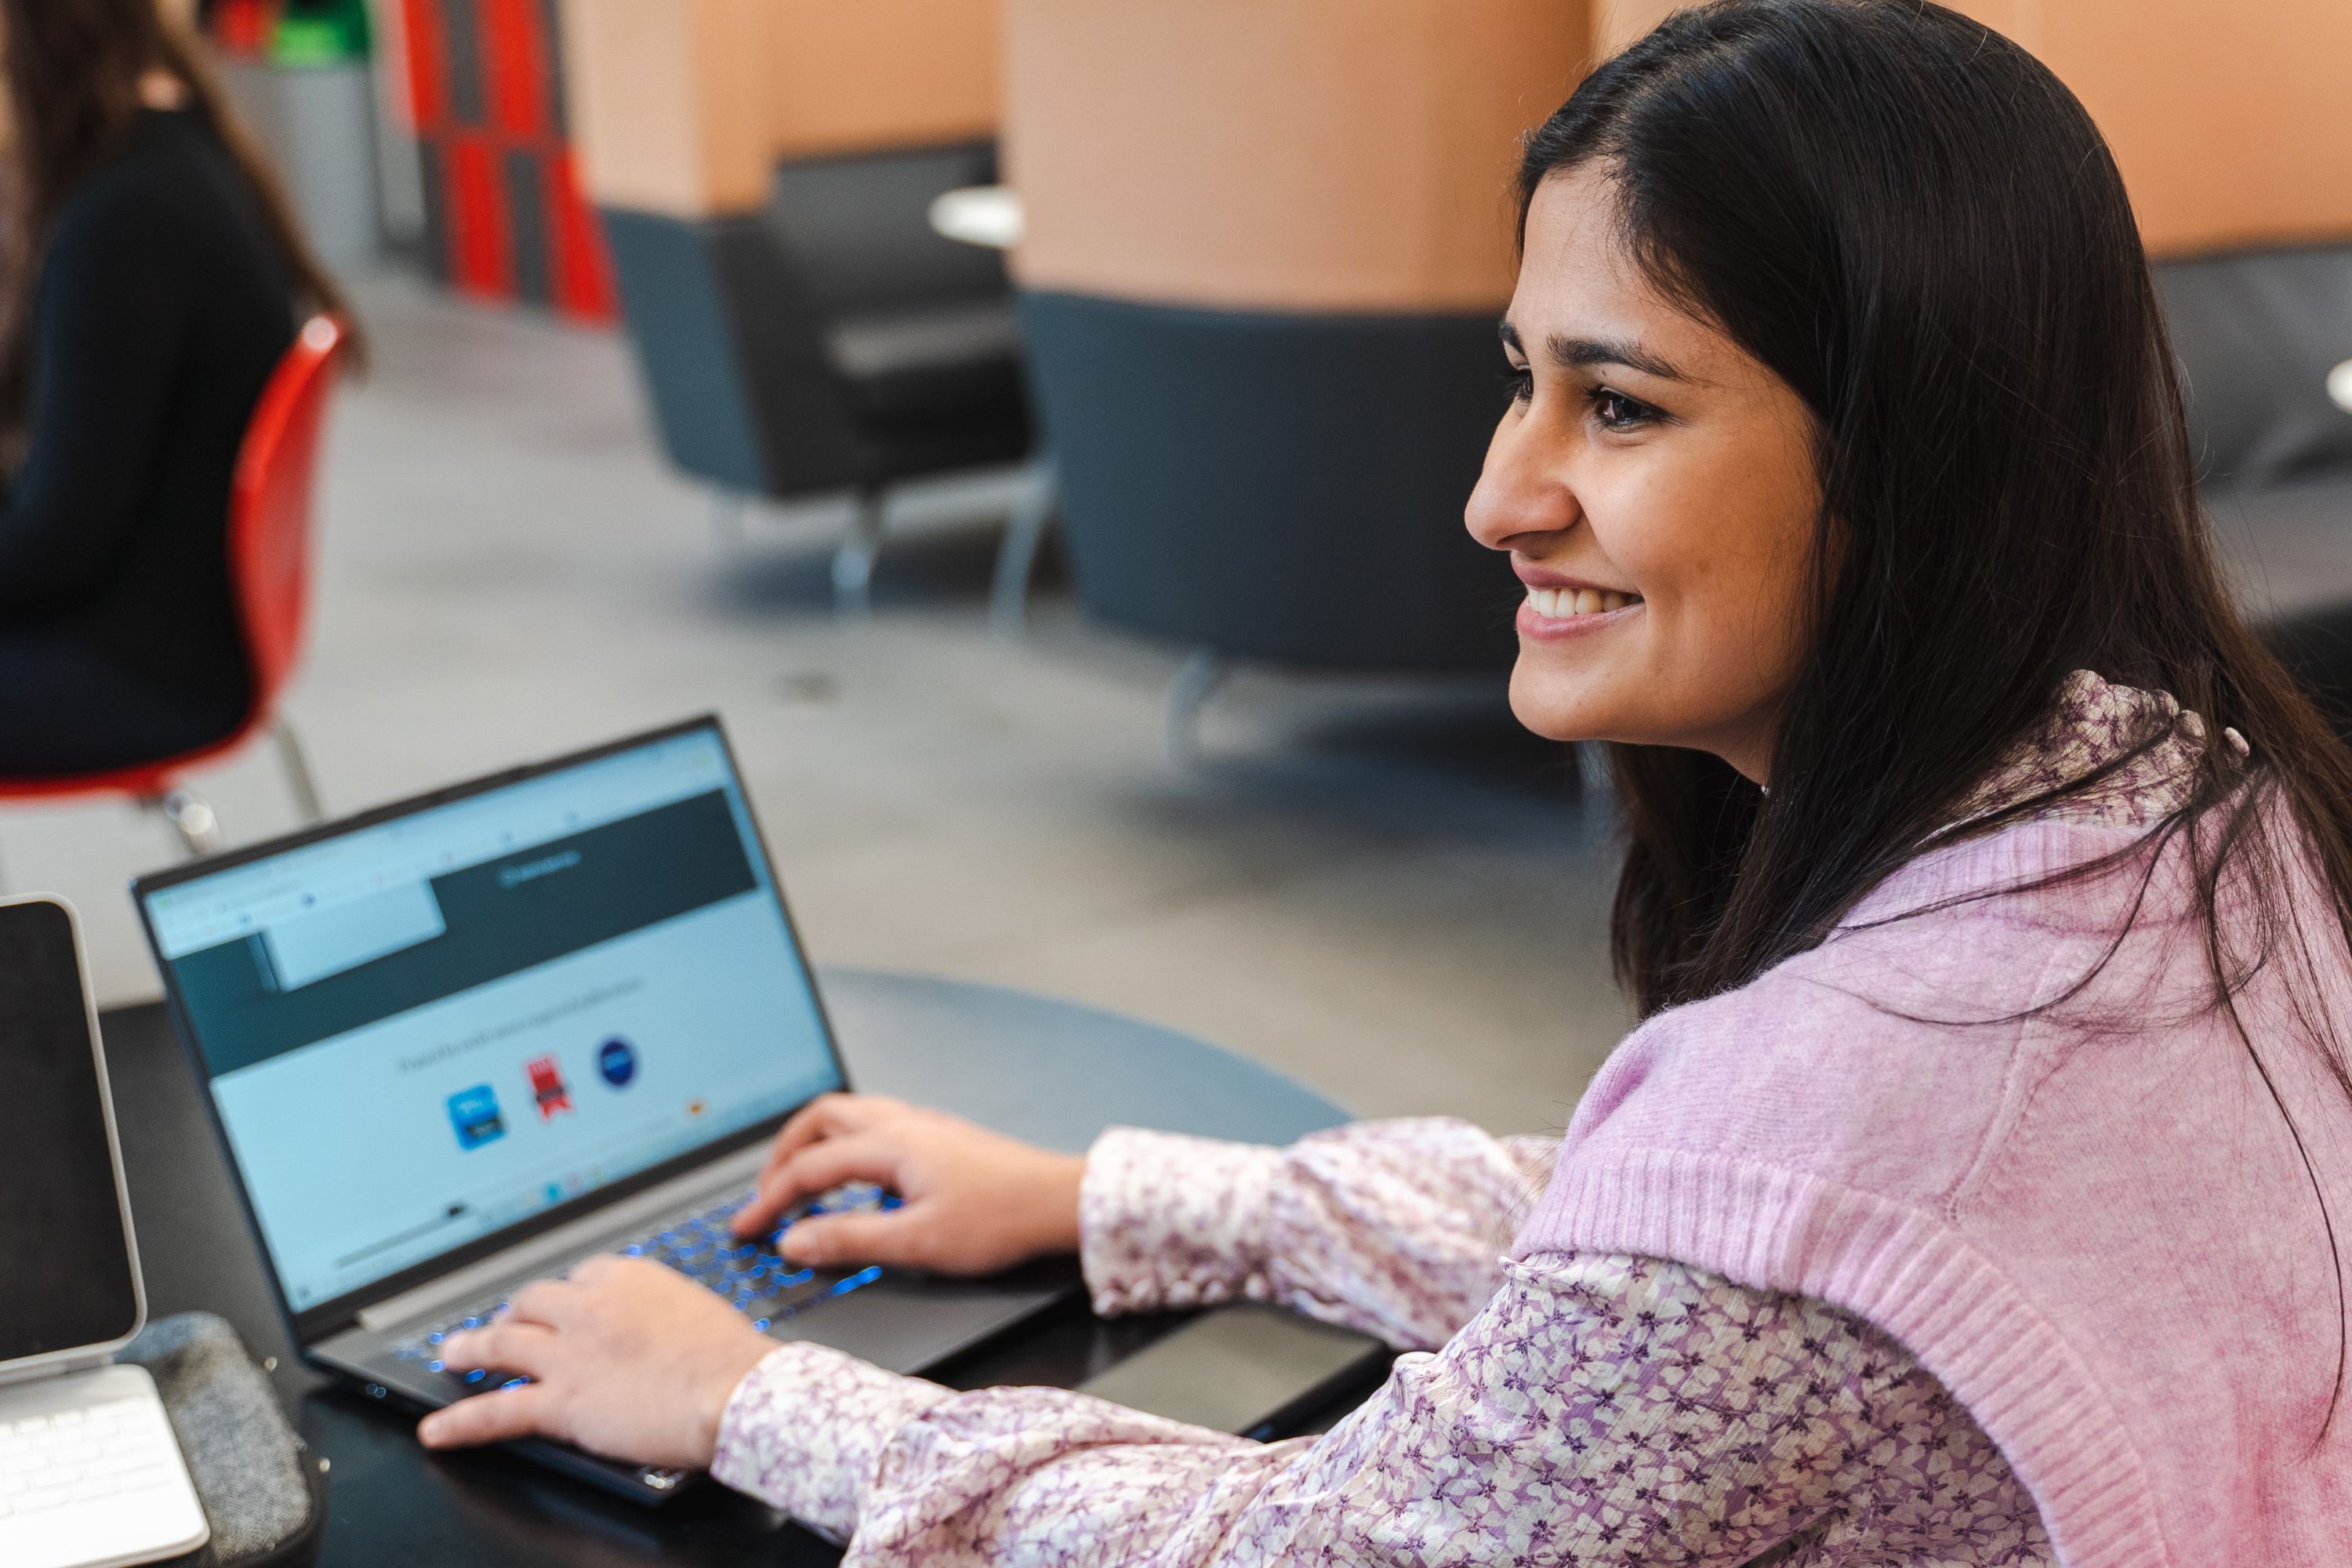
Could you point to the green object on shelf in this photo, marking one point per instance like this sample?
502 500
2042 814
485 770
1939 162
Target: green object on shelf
320 32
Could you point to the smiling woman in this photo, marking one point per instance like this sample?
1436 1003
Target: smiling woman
1970 1194
1656 488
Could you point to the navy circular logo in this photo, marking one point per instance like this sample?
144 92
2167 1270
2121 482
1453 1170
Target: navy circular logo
618 1062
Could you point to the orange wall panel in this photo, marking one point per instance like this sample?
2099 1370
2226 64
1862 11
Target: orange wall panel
683 106
1280 154
666 102
1617 23
882 73
2231 119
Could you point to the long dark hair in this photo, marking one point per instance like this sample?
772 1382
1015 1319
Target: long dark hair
1913 224
72 69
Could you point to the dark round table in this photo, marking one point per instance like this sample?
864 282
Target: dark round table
1053 1072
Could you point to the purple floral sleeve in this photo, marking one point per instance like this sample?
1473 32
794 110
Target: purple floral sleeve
1394 1227
805 1432
1598 1411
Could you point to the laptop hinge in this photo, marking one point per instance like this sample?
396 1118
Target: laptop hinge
564 1243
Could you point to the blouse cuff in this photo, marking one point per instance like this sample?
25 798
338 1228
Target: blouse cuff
805 1431
1168 1221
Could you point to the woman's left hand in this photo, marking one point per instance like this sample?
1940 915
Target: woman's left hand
627 1359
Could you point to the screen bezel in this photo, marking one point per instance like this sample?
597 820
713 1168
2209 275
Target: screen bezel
313 1323
103 1350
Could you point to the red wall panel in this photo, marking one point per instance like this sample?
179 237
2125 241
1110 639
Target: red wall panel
481 258
428 63
507 48
584 271
518 69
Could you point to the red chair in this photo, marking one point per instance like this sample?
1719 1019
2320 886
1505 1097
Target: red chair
269 571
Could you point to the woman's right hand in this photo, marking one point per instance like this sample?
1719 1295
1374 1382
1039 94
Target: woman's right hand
974 1201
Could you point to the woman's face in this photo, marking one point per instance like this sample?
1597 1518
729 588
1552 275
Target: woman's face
1657 490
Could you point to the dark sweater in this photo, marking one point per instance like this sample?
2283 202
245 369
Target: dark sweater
163 302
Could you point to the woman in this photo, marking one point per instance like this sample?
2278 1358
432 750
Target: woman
1971 1190
149 282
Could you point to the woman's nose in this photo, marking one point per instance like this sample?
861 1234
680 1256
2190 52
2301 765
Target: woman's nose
1521 491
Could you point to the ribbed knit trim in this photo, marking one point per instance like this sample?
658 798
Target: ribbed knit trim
1911 1275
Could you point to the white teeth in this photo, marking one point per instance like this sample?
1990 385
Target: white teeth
1560 604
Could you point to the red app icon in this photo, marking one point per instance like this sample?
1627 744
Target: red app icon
547 1087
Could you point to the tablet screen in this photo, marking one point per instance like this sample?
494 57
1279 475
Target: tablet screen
67 1280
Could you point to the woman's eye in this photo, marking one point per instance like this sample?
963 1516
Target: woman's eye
1618 412
1521 380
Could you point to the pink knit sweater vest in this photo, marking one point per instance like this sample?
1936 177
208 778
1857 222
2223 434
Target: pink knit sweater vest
2091 1224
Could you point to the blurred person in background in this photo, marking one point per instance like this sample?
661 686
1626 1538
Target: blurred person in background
151 276
1975 1189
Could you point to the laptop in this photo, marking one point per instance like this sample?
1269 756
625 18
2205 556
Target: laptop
465 1041
90 1475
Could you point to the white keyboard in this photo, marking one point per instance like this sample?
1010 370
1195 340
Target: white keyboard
90 1474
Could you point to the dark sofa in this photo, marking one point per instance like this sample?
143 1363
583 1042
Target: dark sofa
2258 334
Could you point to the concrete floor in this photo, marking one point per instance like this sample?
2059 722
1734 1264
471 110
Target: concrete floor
1382 888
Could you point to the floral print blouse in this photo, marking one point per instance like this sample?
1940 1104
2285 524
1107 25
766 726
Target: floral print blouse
1572 1409
1588 1410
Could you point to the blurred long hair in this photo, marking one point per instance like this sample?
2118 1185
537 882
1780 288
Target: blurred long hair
72 70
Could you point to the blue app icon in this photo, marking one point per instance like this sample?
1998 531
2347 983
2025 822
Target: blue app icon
474 1113
617 1061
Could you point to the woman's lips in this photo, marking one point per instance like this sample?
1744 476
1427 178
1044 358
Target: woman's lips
1551 615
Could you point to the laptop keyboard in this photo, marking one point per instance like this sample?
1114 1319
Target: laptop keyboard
756 1279
108 1450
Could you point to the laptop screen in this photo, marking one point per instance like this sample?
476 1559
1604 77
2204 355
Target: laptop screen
443 1021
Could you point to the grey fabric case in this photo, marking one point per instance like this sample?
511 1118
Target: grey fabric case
264 1492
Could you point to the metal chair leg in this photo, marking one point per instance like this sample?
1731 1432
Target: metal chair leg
1016 557
1196 680
300 780
189 813
853 562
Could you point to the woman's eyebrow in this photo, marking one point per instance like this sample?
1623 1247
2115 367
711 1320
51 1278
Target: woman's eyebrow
1581 353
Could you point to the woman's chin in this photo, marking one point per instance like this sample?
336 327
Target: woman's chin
1553 708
